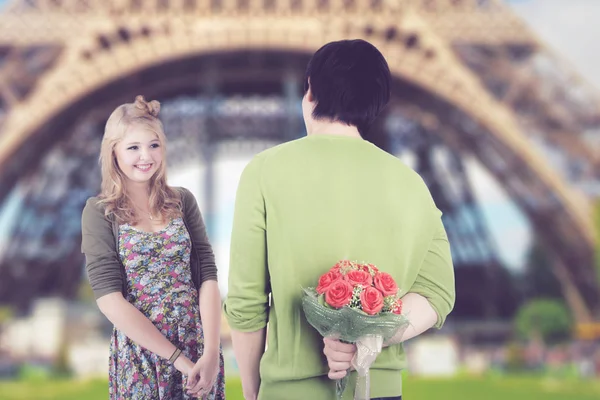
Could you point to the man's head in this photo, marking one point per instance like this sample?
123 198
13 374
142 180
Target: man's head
346 81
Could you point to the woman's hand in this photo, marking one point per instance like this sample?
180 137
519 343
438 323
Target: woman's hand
183 365
203 375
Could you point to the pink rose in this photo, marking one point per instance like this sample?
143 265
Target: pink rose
371 300
385 283
339 294
359 278
326 280
343 266
370 268
398 307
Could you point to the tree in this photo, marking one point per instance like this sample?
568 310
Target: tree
546 319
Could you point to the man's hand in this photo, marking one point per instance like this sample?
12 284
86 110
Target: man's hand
203 375
339 357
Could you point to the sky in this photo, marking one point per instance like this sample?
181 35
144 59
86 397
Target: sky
569 28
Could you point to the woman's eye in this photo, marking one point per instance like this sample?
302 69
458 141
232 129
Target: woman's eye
132 148
155 145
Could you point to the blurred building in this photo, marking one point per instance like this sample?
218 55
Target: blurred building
474 90
40 335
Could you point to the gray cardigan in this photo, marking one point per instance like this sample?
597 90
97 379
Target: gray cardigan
100 240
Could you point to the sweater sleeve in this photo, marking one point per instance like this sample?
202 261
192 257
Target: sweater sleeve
435 280
246 306
98 244
195 223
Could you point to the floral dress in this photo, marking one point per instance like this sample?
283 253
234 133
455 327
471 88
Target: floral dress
159 284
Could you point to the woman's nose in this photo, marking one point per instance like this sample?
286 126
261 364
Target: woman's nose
144 154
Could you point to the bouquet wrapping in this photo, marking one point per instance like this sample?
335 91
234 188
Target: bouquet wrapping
356 303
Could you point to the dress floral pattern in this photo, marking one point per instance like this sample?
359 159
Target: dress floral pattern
159 284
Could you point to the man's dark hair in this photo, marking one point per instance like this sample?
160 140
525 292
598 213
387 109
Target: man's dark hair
350 82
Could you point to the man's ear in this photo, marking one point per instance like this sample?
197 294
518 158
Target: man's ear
309 95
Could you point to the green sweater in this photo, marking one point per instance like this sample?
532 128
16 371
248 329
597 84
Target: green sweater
301 207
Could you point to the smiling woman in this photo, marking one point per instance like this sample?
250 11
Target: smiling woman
132 155
151 267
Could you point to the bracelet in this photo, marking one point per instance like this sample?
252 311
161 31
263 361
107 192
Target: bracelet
175 355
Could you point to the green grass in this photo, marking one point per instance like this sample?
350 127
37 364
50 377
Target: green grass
500 388
463 388
63 389
77 390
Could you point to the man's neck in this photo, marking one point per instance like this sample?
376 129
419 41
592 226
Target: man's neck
333 129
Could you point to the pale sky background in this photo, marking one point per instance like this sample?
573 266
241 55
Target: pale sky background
570 28
565 25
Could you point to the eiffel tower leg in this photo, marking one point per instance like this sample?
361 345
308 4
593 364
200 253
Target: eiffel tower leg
574 299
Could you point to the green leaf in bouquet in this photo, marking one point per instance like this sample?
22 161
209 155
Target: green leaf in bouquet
321 300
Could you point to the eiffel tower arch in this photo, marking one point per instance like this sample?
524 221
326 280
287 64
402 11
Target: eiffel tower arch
468 74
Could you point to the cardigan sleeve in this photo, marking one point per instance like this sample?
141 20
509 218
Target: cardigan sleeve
98 244
207 268
435 279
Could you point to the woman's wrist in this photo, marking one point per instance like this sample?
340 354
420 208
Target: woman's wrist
175 355
183 364
211 351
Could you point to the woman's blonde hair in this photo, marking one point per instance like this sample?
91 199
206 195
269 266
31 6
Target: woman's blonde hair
164 201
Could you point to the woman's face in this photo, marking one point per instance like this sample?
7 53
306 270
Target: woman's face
139 154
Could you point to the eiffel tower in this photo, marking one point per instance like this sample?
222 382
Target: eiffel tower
470 80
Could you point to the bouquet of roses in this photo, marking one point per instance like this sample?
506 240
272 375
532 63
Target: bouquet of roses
357 304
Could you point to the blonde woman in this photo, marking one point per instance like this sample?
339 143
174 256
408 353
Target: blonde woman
152 268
